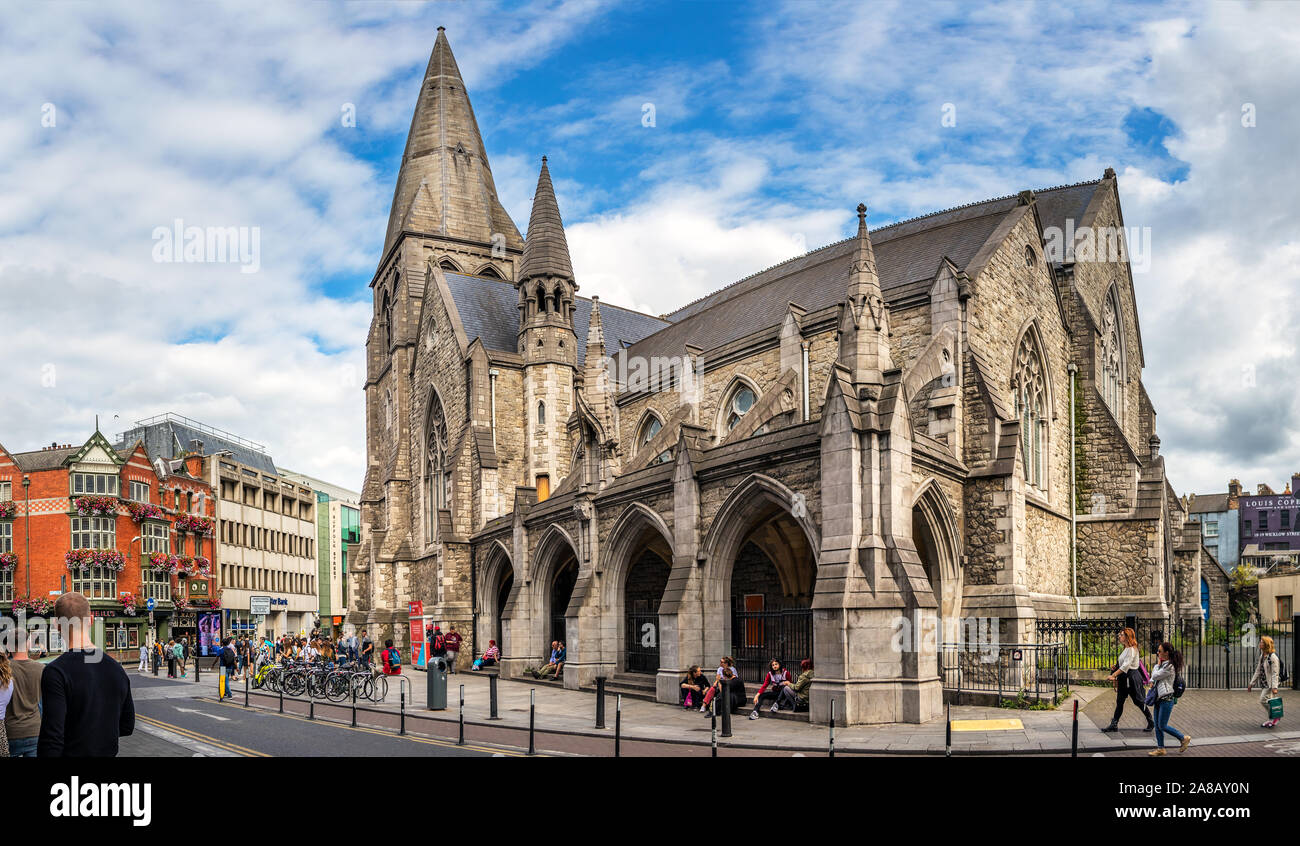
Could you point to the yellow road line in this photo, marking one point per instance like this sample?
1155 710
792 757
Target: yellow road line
202 738
987 725
381 732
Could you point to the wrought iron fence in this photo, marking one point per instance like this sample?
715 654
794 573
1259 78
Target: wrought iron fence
1008 669
759 636
1218 655
642 654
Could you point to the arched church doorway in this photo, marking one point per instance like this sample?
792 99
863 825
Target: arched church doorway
646 581
934 535
502 595
771 590
566 576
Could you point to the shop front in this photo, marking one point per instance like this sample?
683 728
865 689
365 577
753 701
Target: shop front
120 635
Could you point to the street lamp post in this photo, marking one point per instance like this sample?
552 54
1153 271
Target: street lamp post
27 531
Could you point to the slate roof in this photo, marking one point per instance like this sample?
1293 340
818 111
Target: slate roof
907 256
1208 503
168 438
489 309
43 459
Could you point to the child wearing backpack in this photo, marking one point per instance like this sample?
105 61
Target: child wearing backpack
1168 685
392 659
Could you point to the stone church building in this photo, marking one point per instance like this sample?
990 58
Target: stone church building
791 466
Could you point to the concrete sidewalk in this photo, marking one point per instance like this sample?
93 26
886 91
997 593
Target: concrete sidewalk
1041 732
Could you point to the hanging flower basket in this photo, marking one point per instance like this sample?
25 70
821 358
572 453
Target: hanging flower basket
8 509
161 562
193 523
201 566
84 559
180 602
184 565
8 561
96 505
37 606
128 604
143 510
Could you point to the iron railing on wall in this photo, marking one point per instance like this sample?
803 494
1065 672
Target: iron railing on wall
642 633
1007 669
759 636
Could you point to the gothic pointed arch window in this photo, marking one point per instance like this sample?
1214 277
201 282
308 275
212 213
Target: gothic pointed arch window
1112 353
387 316
739 400
1029 388
437 476
650 427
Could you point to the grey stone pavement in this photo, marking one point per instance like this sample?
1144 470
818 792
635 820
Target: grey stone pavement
1211 717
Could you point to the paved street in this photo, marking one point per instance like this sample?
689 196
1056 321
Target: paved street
564 725
173 721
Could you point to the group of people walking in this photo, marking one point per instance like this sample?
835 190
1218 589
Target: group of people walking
1155 692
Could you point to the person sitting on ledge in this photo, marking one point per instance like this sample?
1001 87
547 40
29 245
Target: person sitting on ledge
795 696
489 658
693 687
555 665
777 677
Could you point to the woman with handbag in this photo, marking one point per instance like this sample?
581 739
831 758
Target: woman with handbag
693 687
1164 693
1128 679
1266 676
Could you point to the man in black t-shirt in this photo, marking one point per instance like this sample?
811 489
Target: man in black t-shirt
367 648
85 695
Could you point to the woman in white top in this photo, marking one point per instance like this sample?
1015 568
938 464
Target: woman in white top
1128 681
1266 676
1170 664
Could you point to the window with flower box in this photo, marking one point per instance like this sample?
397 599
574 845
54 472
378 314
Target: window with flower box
94 483
155 537
155 585
95 582
94 533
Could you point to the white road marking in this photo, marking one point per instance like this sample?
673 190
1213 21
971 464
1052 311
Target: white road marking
203 713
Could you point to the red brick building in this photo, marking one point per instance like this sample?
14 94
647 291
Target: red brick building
115 525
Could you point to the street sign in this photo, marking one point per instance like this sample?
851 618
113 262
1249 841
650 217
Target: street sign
150 603
259 605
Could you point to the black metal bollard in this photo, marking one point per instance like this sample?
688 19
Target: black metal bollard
354 706
532 720
713 726
831 750
947 734
618 724
402 725
156 662
246 690
280 690
311 706
460 741
600 702
196 669
1074 732
726 708
492 698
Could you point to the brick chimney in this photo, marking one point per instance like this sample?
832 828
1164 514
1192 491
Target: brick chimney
1234 493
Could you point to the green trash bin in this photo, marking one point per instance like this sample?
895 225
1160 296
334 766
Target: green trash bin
436 693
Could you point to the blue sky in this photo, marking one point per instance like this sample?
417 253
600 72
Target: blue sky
772 121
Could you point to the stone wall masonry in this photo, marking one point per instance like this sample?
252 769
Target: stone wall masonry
1047 551
1008 295
1117 557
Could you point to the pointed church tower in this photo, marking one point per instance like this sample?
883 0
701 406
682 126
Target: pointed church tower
864 318
547 340
445 184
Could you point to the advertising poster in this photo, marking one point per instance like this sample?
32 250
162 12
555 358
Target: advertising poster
209 633
416 612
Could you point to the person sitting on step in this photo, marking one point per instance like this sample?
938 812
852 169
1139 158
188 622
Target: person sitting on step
777 677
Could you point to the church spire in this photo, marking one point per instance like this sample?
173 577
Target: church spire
864 317
546 252
445 184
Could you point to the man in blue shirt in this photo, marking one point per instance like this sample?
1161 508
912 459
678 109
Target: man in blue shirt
552 669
